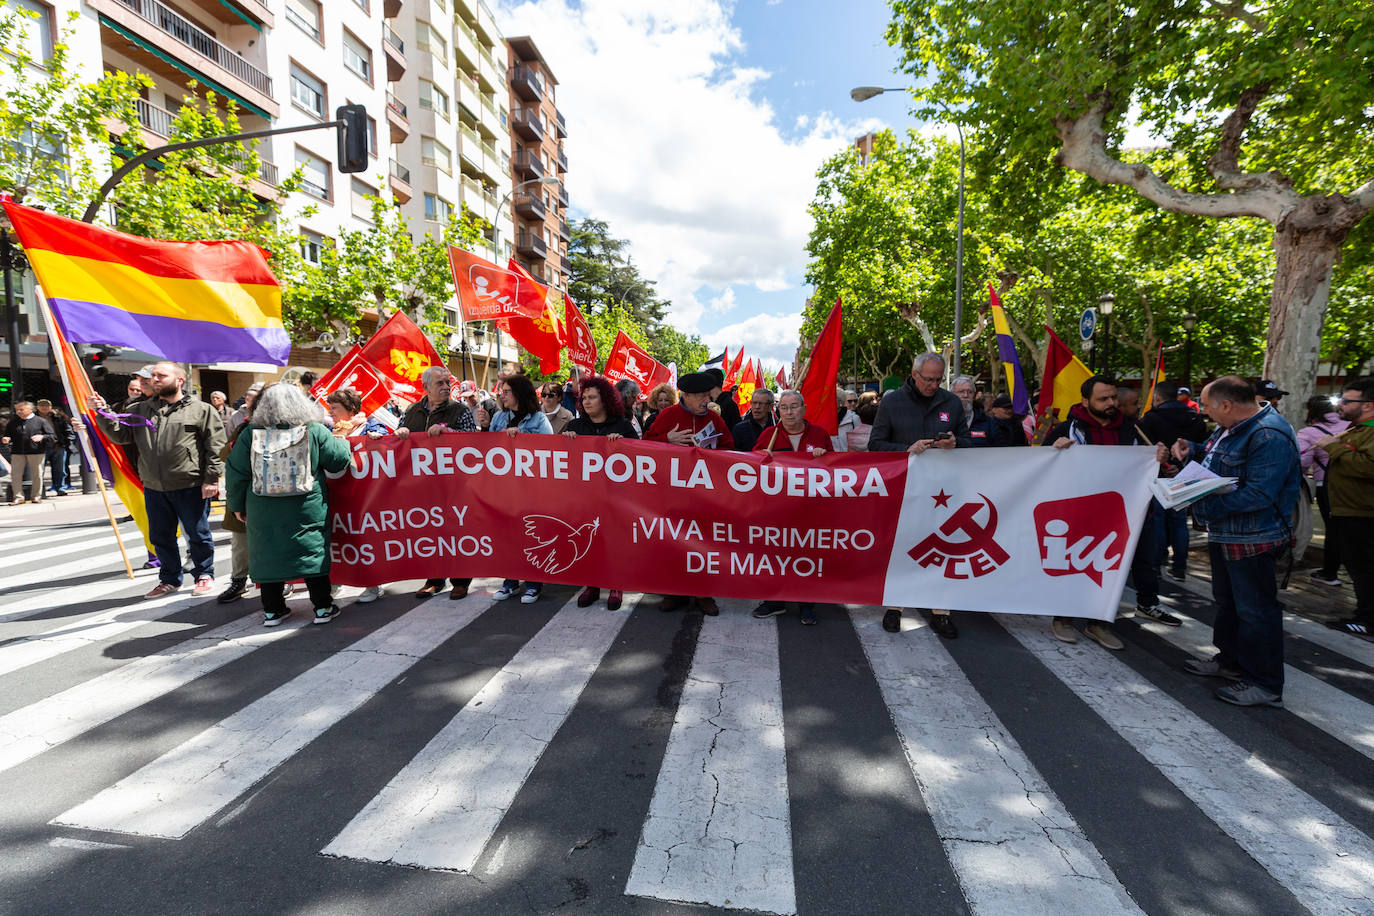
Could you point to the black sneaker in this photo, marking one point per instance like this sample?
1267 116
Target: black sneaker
944 625
808 616
1180 575
1352 625
770 609
892 620
1158 615
1242 693
274 618
326 614
236 590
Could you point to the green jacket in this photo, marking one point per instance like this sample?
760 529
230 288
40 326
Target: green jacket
180 449
288 536
1350 473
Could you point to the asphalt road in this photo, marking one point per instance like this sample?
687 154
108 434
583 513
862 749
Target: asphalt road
482 757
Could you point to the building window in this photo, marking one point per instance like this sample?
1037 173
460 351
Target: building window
437 210
505 120
37 33
315 174
305 14
362 195
372 136
30 147
312 246
307 92
364 5
434 153
357 56
427 38
433 98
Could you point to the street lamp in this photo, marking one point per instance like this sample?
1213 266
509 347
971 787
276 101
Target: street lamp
863 94
1105 303
1189 320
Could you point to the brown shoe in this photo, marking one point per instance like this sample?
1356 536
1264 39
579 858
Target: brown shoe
708 607
428 591
161 589
672 603
458 591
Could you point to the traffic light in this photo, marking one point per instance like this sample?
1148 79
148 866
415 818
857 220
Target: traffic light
353 137
95 363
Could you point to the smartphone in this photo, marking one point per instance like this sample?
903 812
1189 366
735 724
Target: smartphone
945 435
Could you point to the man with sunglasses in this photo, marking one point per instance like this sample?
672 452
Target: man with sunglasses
1350 489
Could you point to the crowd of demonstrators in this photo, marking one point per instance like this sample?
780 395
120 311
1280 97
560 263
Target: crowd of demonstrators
1168 420
757 418
1247 530
846 419
520 413
1097 420
59 451
660 396
28 436
1322 420
792 433
1128 402
220 401
857 438
240 414
1350 481
724 400
918 416
602 414
551 403
238 531
635 410
178 439
995 426
276 488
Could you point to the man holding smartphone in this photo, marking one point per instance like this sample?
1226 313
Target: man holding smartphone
918 416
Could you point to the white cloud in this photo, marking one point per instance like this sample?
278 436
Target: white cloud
724 302
670 143
772 338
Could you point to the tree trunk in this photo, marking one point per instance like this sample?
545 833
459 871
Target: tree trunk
1304 260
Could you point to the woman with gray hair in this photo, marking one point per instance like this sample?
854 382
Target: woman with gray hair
276 486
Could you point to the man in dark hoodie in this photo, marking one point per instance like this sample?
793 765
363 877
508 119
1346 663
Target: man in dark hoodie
725 400
1096 420
919 416
1167 421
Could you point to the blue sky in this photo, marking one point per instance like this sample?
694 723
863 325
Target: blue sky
695 130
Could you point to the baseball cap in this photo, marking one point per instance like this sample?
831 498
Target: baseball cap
468 386
1268 390
1184 389
145 372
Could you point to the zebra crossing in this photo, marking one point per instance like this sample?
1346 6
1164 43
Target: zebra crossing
506 757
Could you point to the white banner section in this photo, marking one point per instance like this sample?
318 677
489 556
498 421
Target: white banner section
1051 532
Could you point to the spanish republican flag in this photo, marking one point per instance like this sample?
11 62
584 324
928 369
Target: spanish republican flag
193 302
1011 361
1062 380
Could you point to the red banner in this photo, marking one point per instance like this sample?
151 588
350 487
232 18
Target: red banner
581 346
487 291
629 360
400 352
354 371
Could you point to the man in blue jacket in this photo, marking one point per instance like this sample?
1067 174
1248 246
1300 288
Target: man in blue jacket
1247 532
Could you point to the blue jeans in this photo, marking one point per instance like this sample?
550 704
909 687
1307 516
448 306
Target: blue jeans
1248 632
1171 532
168 508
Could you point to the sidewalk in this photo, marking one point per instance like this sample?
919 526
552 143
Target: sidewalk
57 511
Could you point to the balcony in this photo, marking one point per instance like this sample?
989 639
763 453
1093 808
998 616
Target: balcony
562 194
391 9
562 160
528 165
563 232
526 84
201 44
567 265
155 120
530 207
400 182
525 122
395 51
530 245
561 126
397 118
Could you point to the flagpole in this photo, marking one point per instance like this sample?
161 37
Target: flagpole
55 337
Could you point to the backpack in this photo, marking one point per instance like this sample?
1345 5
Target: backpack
281 462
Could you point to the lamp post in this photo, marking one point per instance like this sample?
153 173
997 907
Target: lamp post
1105 303
496 237
1189 321
863 94
12 259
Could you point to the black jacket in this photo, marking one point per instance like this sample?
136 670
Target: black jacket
986 431
583 426
746 432
1077 428
1171 421
904 417
21 433
729 410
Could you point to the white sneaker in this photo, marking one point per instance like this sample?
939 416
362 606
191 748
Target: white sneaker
503 593
370 594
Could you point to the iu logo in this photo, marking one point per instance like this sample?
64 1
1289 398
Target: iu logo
1086 534
634 369
970 556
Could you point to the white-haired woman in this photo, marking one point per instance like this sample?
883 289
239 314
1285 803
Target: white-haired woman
276 486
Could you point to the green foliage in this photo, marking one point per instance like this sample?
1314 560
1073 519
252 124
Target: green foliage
601 274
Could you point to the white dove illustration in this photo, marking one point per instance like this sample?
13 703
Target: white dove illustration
557 544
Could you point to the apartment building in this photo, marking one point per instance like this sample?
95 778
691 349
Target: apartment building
539 164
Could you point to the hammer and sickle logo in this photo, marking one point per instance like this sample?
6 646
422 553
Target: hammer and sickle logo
975 554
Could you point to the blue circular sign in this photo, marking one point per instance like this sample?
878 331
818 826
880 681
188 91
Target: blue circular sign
1087 323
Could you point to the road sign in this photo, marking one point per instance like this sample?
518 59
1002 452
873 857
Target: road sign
1087 323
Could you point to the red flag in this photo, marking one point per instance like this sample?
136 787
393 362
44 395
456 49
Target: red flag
822 369
1061 380
725 360
541 335
487 291
758 375
732 372
581 346
781 379
744 388
354 371
400 351
628 359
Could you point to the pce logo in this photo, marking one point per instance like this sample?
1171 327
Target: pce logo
1086 534
962 547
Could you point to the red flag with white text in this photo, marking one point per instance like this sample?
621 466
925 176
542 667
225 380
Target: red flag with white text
581 346
354 371
400 352
628 359
542 334
486 290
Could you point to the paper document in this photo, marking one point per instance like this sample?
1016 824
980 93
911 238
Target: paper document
1180 491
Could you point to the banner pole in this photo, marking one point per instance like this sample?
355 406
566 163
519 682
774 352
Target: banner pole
55 338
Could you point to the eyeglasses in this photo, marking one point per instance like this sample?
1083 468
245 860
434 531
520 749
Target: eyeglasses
927 378
1353 401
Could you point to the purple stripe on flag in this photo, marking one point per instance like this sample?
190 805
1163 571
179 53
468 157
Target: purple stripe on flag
1006 349
180 339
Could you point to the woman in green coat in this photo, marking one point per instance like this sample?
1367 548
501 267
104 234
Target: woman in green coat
281 496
